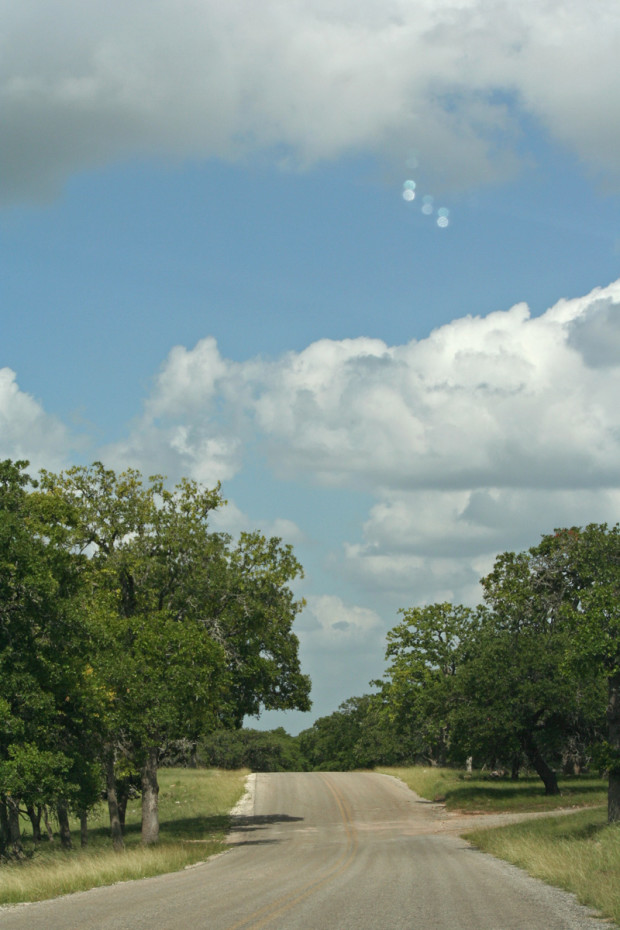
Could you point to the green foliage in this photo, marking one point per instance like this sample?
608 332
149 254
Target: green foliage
154 561
525 676
48 734
606 758
486 792
125 624
425 652
358 735
35 776
258 750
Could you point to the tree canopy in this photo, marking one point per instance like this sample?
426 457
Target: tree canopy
525 676
124 617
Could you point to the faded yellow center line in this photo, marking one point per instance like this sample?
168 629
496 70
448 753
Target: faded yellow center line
281 905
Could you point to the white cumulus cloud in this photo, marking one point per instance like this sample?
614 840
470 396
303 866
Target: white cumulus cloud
327 620
27 432
82 84
480 437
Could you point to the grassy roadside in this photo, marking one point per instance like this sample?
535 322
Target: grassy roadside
194 807
475 792
578 852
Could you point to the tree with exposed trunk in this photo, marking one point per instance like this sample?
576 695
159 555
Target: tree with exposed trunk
538 699
510 680
189 631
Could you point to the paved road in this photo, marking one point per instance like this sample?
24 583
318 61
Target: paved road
315 851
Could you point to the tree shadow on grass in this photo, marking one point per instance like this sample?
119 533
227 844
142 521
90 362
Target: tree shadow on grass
193 828
494 794
581 833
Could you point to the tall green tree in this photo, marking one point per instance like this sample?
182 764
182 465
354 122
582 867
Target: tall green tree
494 683
425 651
160 671
585 561
48 741
251 609
191 631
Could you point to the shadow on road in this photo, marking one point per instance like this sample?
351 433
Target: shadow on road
249 825
242 822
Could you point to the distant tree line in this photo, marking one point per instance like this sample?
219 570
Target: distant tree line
126 624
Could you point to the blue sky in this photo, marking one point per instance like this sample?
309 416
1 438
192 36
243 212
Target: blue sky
207 268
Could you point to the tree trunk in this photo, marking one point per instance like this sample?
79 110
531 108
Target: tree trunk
83 830
515 768
122 808
63 826
5 833
35 820
150 794
544 771
116 830
48 825
613 721
124 790
15 832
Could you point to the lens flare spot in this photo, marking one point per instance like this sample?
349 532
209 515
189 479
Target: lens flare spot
443 211
409 185
408 194
427 209
443 221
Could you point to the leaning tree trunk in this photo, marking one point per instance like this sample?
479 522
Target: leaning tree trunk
543 770
63 826
613 721
116 830
150 795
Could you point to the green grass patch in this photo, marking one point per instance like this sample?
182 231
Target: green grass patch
578 852
477 792
194 807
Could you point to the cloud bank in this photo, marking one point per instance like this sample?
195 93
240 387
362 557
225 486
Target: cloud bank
85 84
475 439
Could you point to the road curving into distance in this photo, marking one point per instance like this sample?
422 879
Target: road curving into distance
322 850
